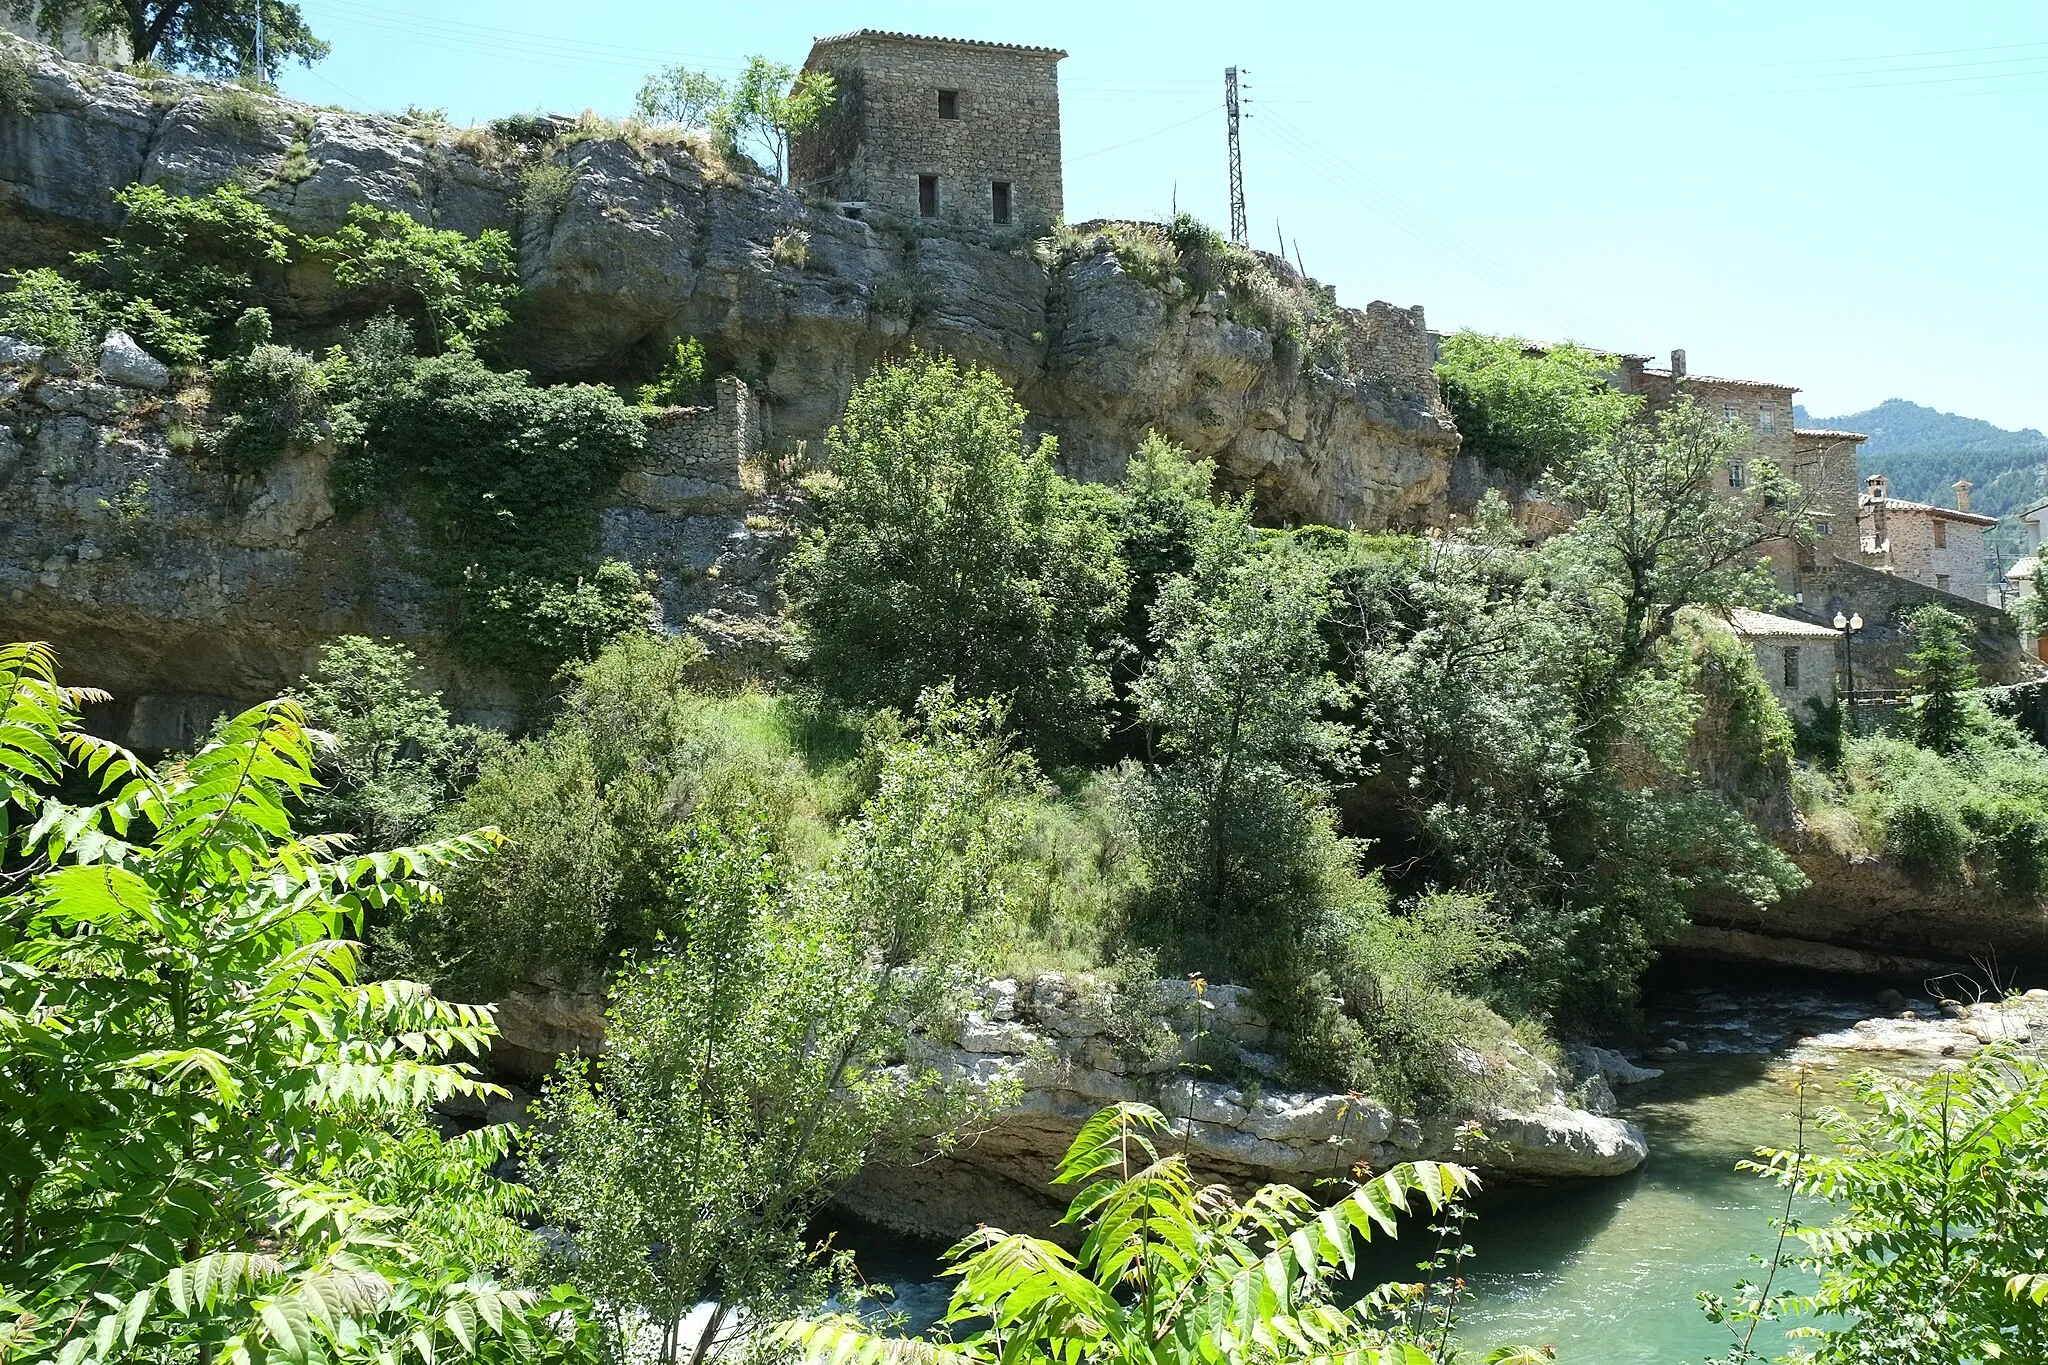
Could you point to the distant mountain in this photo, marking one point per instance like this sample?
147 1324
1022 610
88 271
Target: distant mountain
1924 452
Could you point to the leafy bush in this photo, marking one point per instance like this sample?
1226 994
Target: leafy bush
1925 834
17 83
1975 816
544 187
275 398
510 474
1523 410
792 249
181 270
458 286
229 1151
45 309
1144 251
397 757
681 383
235 108
948 552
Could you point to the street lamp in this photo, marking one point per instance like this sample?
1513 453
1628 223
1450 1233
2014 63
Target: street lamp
1849 625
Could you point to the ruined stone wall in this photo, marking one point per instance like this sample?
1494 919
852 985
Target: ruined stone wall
888 131
1393 346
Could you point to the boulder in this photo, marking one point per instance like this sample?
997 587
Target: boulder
124 362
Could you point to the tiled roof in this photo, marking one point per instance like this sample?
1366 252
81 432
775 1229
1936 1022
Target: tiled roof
1903 505
1824 434
1747 622
849 36
1723 381
2022 568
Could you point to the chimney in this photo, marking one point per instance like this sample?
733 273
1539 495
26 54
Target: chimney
1874 486
1963 487
1874 494
1678 364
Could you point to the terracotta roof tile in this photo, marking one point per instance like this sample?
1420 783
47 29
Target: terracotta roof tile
852 34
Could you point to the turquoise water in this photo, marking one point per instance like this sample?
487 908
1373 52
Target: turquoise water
1607 1271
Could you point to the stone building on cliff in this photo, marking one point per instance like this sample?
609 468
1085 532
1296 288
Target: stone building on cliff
1937 547
960 131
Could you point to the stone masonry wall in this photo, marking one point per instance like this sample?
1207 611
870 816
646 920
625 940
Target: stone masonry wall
1910 533
1825 466
888 132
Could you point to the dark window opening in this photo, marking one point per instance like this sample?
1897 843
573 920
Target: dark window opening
949 104
1791 665
999 202
928 196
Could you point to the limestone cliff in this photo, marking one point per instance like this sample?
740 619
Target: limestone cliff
646 244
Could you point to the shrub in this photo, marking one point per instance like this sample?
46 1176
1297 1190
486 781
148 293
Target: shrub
237 108
275 399
45 309
792 249
681 383
1925 834
181 270
1144 251
544 187
1522 410
948 551
459 286
17 83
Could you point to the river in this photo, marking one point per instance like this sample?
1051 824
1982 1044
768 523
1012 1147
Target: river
1607 1271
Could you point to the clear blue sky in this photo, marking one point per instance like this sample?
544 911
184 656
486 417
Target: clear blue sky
1844 196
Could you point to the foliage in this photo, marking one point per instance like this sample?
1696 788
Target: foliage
950 552
1977 815
182 269
1165 520
213 1133
544 187
1170 1271
1657 531
458 286
45 309
396 758
681 96
275 398
1942 673
1743 739
1934 1254
760 110
1230 812
638 749
1523 408
752 1057
681 383
211 37
17 83
510 473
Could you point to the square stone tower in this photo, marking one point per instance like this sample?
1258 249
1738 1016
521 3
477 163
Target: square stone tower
939 128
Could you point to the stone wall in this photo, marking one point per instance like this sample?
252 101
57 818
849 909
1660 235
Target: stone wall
1905 537
886 129
1885 601
1824 465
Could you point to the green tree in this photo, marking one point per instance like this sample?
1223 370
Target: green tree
212 37
459 287
771 103
1939 680
950 552
753 1060
396 757
1169 1271
1524 408
1231 811
213 1135
1934 1255
681 96
45 309
1659 530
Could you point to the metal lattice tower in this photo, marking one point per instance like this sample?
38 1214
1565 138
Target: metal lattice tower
1240 233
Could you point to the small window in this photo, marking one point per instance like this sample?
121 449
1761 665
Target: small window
1791 665
927 196
1728 411
1941 581
1766 418
1821 527
1940 534
949 104
1738 475
999 202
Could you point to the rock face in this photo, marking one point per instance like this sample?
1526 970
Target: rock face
185 590
1051 1044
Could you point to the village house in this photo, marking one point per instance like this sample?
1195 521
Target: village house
1797 658
1937 547
945 129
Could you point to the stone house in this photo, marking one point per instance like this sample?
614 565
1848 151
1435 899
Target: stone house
1797 658
947 129
1937 547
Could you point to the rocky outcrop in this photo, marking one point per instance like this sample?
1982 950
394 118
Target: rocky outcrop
650 243
1052 1045
186 590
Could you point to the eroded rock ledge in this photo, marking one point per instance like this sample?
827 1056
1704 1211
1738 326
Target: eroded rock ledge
1054 1039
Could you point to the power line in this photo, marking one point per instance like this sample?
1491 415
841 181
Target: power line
1143 137
1239 232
